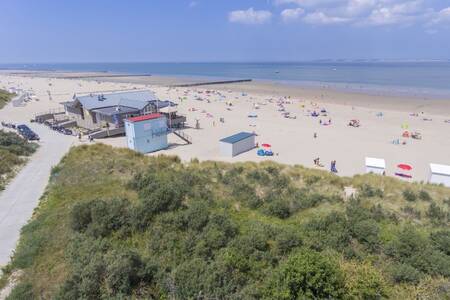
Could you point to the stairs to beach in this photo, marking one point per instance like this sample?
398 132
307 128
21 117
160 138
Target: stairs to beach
182 135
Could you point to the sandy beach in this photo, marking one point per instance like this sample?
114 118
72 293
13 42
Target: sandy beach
292 139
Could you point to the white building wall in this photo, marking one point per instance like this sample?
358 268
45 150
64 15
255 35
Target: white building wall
374 170
226 149
244 145
129 133
440 179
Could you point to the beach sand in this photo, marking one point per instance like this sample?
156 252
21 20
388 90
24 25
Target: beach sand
292 140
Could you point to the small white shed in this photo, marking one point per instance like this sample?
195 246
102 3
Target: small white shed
375 165
440 174
237 143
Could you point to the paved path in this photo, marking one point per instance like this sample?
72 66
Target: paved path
22 194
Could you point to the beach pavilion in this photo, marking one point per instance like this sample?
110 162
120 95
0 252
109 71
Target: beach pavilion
96 111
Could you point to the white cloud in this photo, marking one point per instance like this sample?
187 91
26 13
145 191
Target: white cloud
443 16
401 13
358 7
292 14
320 18
250 16
364 12
193 4
308 3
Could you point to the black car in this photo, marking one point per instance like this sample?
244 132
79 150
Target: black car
27 133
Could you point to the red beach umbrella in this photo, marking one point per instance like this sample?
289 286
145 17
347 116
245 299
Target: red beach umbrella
266 145
404 167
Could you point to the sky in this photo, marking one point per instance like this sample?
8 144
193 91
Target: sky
49 31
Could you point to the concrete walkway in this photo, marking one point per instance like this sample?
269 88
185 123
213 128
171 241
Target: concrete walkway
22 194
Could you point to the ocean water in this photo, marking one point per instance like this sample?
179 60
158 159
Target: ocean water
411 78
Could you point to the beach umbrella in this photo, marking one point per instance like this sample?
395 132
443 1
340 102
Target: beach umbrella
404 167
266 145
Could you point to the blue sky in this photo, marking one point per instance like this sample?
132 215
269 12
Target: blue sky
222 30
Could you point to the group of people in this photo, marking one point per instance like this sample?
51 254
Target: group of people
333 168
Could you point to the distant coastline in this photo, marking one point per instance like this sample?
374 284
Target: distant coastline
418 79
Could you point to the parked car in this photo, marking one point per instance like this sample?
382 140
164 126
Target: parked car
27 133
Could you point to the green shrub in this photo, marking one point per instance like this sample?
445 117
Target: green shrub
404 273
123 271
306 275
367 232
409 195
436 214
15 144
441 240
21 291
366 190
286 240
411 211
101 218
277 208
424 195
363 281
189 279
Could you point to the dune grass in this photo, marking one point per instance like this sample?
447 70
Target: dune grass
5 97
116 224
13 153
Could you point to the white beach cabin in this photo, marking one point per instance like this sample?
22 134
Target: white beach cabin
375 165
440 174
236 144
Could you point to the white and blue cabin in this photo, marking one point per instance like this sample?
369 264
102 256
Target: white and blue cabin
147 133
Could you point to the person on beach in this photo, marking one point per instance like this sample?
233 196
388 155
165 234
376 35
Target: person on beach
315 135
333 167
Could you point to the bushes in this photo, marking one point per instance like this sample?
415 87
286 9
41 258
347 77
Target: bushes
22 291
409 195
441 240
100 218
404 273
363 281
305 275
188 280
124 270
15 144
424 195
201 231
5 97
12 148
277 208
411 248
366 190
436 214
367 232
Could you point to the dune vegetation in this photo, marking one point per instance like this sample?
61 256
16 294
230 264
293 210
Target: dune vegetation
5 97
13 152
114 224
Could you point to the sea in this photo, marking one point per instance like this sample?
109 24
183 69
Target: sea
418 78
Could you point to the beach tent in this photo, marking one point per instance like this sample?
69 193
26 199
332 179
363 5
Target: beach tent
375 165
440 174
